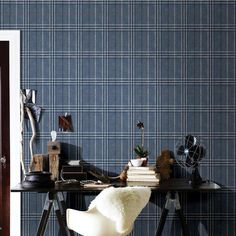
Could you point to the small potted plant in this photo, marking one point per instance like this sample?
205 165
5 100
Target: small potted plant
141 152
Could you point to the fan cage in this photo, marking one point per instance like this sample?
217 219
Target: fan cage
181 159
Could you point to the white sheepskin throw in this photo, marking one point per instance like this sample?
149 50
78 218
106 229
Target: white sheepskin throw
122 205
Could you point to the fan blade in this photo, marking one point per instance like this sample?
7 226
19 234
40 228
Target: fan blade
197 152
180 150
188 161
189 141
193 151
202 152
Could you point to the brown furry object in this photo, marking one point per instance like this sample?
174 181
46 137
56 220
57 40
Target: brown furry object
123 176
163 163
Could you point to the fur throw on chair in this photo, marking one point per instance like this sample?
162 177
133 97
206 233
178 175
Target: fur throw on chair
122 205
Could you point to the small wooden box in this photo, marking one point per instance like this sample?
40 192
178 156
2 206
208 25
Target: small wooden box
68 168
73 172
78 175
39 163
54 166
54 147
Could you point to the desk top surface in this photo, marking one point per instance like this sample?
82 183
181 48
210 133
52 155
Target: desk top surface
180 185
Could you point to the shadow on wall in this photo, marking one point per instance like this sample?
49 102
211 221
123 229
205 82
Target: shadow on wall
205 212
73 152
208 211
70 152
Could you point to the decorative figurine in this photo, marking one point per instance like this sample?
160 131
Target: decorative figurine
163 163
54 150
53 135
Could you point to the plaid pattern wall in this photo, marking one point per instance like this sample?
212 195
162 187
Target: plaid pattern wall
109 63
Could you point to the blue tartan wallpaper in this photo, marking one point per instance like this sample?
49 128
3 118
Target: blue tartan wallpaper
110 63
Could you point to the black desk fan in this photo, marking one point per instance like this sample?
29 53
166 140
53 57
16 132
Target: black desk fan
189 153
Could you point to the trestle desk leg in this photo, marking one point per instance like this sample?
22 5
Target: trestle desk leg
172 198
61 201
164 214
45 214
181 216
63 229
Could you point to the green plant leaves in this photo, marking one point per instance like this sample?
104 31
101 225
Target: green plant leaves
140 151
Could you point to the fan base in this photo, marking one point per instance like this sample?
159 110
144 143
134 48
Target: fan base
195 178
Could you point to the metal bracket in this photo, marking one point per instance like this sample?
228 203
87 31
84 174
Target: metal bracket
172 201
177 203
168 201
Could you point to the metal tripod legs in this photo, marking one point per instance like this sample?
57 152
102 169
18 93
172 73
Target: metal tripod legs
55 200
172 198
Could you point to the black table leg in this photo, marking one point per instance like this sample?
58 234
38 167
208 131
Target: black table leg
162 222
45 214
181 216
63 229
183 222
61 201
53 199
164 214
172 198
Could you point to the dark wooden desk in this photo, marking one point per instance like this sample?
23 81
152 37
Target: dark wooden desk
171 187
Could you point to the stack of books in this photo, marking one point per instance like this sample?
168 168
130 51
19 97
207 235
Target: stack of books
143 175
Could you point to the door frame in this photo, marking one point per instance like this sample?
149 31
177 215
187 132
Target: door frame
13 36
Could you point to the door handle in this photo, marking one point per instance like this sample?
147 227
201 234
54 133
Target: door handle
3 161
